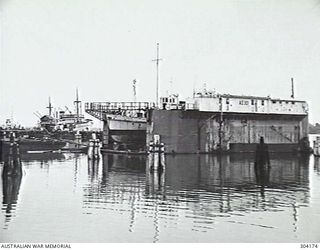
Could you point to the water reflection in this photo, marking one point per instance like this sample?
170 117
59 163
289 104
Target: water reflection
203 187
12 174
93 169
316 166
11 181
195 193
47 157
155 184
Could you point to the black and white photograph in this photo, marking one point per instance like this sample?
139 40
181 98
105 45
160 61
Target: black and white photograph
173 121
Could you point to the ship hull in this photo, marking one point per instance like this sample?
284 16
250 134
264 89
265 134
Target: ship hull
127 131
126 124
128 136
31 145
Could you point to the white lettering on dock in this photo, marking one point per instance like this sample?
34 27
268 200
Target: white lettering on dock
242 102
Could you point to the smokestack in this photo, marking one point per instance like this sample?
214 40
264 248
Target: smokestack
292 88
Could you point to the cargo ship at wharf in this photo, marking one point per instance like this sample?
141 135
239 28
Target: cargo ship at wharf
64 120
57 131
208 122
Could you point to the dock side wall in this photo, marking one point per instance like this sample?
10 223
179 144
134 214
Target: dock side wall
105 140
203 132
179 135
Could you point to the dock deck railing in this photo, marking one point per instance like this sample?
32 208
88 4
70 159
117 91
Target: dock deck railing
98 109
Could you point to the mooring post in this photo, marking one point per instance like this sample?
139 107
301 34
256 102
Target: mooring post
156 149
1 147
156 154
262 165
162 156
262 159
12 166
12 141
150 155
316 147
78 139
94 146
14 146
105 133
91 149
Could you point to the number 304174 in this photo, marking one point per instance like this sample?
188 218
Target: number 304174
312 245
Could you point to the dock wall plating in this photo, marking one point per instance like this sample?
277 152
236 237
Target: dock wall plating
205 132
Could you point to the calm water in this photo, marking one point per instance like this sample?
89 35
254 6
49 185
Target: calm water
65 198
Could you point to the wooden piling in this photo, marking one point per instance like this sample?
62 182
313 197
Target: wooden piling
12 162
94 148
316 147
78 139
156 154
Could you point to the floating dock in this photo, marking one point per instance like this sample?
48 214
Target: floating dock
207 123
203 132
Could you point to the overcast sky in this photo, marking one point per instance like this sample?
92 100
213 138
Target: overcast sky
50 47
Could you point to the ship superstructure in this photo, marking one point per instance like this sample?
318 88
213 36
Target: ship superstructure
209 101
212 102
65 120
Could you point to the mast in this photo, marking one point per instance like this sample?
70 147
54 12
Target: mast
77 103
50 107
220 123
157 86
292 88
134 90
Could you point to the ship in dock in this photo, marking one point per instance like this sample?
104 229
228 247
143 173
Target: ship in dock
124 122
